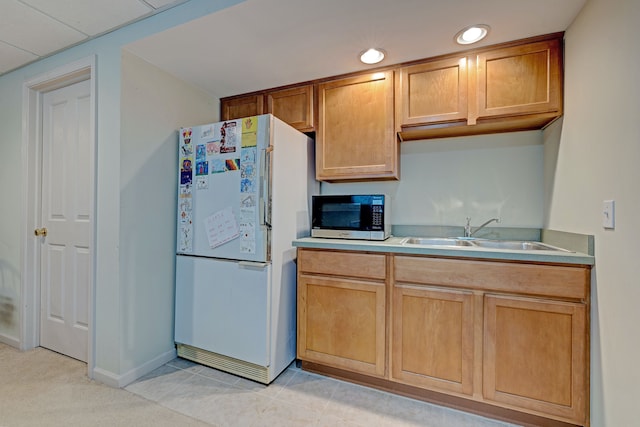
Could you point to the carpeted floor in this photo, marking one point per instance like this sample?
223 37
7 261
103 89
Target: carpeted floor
43 388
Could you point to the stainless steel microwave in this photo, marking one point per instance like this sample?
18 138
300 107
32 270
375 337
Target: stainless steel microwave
354 216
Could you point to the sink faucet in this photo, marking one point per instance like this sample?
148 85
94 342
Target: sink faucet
467 228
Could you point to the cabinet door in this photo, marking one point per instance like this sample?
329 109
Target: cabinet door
355 134
432 341
434 92
519 80
535 355
237 108
341 323
293 106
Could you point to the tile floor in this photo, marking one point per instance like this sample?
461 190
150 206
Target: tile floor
295 398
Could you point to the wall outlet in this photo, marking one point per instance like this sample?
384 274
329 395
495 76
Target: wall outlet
609 214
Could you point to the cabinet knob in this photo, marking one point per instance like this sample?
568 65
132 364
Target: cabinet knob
40 232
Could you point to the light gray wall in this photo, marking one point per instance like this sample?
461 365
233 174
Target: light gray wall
596 159
113 356
10 207
154 105
443 181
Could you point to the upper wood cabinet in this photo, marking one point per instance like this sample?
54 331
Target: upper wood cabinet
239 107
512 87
519 80
433 92
359 118
355 136
294 106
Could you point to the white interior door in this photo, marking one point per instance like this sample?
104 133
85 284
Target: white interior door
66 252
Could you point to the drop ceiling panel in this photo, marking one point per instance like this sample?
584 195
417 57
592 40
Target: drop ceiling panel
13 57
239 49
92 16
22 26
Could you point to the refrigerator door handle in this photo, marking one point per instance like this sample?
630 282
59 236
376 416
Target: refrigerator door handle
265 186
253 265
263 156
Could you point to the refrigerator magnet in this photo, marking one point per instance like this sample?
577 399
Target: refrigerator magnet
186 241
201 152
228 138
248 201
232 164
202 182
247 185
186 217
185 178
207 132
185 191
213 148
202 168
186 150
249 139
248 155
218 166
250 125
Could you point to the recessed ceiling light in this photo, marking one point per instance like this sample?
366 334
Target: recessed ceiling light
372 56
472 34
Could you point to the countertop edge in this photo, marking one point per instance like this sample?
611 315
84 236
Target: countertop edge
394 245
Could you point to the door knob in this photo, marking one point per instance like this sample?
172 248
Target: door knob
41 232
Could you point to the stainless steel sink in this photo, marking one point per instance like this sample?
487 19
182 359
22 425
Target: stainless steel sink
516 245
509 245
437 241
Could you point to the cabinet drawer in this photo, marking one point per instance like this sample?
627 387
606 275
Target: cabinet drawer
368 266
528 279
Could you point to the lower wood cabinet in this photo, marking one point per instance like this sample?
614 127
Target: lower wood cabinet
509 336
433 338
341 320
535 355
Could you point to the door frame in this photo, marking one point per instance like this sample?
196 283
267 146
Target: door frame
32 92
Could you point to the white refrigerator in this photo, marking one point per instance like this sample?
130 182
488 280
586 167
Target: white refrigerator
243 196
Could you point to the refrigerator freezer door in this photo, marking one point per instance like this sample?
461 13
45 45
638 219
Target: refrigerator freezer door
223 307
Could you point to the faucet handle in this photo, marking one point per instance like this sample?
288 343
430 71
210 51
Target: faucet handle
467 228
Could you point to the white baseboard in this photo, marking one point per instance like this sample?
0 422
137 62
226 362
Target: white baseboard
120 381
12 341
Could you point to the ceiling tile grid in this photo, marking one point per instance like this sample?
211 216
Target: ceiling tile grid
32 29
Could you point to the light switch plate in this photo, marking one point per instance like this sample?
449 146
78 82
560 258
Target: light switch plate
609 214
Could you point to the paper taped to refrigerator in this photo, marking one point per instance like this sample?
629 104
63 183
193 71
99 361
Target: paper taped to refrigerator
221 227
